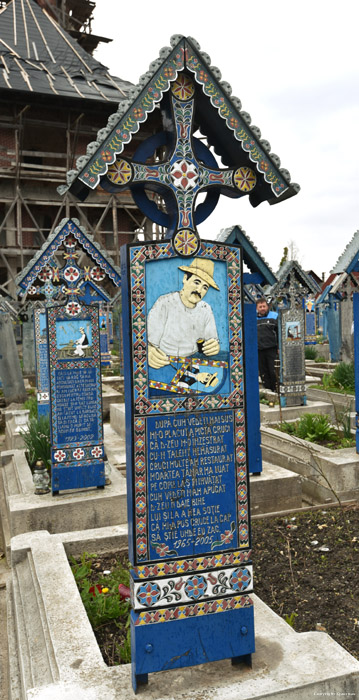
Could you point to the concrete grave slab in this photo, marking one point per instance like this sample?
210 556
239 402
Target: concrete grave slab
54 653
83 509
274 490
274 414
325 472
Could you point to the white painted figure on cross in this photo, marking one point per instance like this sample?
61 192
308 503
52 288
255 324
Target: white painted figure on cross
180 323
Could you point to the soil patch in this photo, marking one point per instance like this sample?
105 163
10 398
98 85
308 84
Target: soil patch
305 568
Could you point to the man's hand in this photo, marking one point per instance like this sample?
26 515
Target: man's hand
211 347
156 357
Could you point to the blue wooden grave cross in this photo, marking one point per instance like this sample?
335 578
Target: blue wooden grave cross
190 170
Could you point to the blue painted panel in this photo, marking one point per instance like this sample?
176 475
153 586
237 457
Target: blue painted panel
76 405
195 640
191 486
187 491
253 419
76 401
43 378
77 476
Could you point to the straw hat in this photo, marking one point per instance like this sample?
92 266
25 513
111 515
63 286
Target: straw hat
212 380
203 269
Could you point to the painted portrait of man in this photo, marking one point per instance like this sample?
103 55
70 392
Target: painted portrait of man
179 320
182 325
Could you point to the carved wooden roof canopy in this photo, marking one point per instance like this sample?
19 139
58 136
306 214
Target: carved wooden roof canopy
178 163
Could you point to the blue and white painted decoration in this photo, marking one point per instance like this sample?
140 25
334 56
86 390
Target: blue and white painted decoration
77 455
189 529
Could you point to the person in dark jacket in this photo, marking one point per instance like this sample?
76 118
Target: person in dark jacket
267 327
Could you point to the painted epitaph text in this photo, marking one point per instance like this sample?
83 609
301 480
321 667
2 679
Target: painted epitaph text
76 404
187 475
42 362
292 385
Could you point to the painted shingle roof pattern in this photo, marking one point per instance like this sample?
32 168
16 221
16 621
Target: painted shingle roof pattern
145 80
348 254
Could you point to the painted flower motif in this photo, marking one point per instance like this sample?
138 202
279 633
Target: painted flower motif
168 72
148 594
59 455
196 587
107 156
70 242
226 537
243 532
97 274
184 175
96 451
162 549
138 112
154 93
141 526
78 453
73 308
71 273
32 290
45 274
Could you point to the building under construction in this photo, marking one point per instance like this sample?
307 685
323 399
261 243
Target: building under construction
54 98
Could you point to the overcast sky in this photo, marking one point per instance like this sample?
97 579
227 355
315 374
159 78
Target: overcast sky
295 68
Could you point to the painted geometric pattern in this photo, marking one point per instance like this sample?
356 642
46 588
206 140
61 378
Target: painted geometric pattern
78 451
181 57
140 488
137 114
141 527
143 404
198 609
194 587
183 566
186 242
46 258
241 475
234 122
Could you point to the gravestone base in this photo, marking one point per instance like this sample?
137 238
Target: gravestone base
293 400
44 604
24 511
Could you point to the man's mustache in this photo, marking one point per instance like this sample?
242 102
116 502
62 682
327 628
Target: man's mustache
197 294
